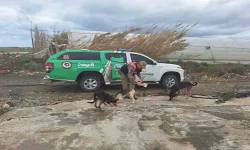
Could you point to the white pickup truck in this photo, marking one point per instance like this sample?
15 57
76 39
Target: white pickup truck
158 73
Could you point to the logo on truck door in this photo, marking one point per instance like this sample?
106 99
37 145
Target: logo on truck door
147 75
66 65
117 66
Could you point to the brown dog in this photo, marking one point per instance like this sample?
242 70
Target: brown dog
123 93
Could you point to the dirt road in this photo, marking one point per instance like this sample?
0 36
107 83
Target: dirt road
32 90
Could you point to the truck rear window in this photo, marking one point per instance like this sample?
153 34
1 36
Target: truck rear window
116 55
80 56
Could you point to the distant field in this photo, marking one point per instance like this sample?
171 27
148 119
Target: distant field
15 49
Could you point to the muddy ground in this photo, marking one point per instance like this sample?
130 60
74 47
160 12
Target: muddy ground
152 123
31 90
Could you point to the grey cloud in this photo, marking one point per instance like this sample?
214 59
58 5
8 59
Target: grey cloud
109 15
210 15
222 2
211 32
217 17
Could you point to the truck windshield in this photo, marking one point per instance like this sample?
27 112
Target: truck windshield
137 57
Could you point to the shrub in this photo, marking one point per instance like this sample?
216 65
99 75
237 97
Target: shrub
238 70
33 66
25 62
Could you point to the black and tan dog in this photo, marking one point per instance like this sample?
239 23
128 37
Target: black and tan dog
104 98
174 90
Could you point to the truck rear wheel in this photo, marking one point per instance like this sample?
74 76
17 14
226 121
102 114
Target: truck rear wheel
169 80
90 83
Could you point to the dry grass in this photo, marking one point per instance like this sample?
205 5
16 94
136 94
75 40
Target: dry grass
154 42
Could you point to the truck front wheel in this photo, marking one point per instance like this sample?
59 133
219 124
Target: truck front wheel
169 80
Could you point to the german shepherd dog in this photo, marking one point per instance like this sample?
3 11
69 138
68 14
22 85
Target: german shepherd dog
182 85
104 98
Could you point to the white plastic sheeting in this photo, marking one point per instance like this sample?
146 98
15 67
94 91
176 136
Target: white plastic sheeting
199 49
214 50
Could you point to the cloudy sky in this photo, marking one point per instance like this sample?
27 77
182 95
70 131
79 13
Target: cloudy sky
217 18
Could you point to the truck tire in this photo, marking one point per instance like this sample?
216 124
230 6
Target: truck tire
169 80
90 83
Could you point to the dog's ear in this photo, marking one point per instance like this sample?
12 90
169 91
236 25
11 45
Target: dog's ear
194 83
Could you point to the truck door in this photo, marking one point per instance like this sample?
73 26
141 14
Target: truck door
152 70
116 63
117 60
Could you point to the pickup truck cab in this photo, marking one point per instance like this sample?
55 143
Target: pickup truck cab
94 68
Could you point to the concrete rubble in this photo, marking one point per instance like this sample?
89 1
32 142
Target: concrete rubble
151 123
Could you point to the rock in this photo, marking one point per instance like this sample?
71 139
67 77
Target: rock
204 97
168 125
6 106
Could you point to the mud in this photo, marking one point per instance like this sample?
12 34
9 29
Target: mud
58 117
32 90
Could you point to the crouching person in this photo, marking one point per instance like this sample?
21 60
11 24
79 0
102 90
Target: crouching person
128 74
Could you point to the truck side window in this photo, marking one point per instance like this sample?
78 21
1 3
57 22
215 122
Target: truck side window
116 55
79 56
136 57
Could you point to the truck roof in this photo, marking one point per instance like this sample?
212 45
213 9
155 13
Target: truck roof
106 51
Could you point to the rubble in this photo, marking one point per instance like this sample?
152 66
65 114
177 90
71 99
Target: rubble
4 71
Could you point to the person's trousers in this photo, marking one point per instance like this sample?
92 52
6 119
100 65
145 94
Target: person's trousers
126 82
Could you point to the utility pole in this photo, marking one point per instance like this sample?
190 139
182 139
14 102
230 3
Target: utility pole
31 34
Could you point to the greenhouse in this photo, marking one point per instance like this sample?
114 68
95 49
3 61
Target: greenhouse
213 50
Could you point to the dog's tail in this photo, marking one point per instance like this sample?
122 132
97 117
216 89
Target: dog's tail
194 83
